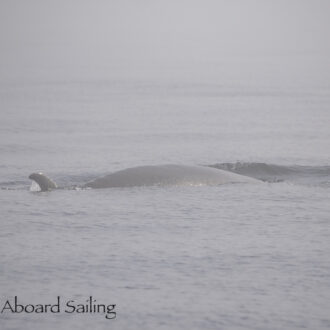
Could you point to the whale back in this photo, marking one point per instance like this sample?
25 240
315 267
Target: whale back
157 175
168 175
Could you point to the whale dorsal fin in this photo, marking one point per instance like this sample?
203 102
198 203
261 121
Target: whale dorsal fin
44 183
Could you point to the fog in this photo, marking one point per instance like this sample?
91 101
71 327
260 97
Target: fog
74 36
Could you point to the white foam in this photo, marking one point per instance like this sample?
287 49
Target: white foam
34 186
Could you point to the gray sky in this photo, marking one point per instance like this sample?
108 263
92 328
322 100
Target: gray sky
133 31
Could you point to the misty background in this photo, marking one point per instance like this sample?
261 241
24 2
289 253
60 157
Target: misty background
191 40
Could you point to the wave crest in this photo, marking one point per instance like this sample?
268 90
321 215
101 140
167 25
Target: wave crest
276 173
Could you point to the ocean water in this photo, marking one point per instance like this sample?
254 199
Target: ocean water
236 256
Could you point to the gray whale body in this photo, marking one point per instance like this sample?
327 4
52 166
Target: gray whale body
155 175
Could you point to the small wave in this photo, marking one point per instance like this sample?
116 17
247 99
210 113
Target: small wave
319 175
14 185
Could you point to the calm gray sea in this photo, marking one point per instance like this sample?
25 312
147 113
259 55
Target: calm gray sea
235 256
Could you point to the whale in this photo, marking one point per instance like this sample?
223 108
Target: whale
155 175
